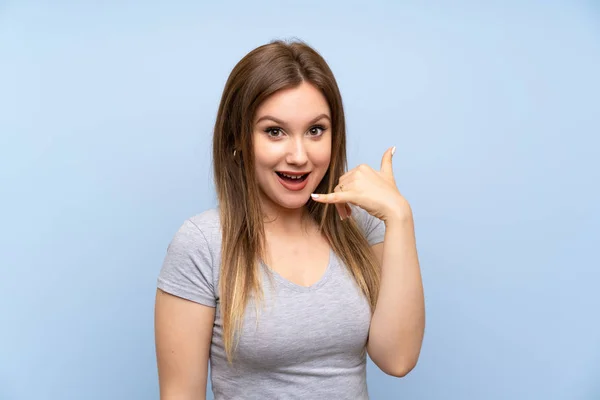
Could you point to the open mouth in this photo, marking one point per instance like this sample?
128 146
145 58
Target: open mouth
292 178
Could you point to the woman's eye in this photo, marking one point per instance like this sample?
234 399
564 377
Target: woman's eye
316 131
273 132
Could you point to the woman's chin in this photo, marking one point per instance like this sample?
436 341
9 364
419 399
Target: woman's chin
294 204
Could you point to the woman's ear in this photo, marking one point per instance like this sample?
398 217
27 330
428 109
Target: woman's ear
237 157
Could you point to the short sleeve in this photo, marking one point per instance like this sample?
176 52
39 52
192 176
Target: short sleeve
372 227
187 269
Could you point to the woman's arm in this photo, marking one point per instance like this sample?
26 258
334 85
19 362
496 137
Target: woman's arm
183 331
398 323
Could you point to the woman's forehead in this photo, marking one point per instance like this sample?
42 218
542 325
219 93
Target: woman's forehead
292 106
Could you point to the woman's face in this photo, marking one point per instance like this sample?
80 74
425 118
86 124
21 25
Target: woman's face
292 145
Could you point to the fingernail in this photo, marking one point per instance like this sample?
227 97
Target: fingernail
314 195
393 150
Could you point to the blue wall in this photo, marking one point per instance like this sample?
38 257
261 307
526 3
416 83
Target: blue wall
105 120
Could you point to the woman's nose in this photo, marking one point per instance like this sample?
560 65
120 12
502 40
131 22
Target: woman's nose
297 152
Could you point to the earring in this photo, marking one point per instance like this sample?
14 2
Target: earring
234 152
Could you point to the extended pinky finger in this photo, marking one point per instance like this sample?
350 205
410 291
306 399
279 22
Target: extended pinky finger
326 198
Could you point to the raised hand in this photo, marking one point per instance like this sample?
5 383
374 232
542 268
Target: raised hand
374 191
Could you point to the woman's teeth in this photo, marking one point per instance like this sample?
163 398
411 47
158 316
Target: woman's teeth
292 177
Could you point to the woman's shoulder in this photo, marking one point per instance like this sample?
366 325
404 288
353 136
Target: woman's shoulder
190 267
200 232
208 222
372 227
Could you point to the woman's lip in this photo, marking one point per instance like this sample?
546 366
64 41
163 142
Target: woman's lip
292 185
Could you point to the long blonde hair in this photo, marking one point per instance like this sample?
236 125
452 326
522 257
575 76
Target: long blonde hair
262 72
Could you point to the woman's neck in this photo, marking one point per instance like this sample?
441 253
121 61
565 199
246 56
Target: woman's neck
288 222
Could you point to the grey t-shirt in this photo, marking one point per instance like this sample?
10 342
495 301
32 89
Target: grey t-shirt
304 343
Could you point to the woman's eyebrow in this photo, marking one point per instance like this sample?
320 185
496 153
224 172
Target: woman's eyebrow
280 122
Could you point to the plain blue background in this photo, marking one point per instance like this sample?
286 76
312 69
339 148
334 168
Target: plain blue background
106 114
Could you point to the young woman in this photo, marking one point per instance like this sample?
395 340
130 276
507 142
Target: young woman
303 268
